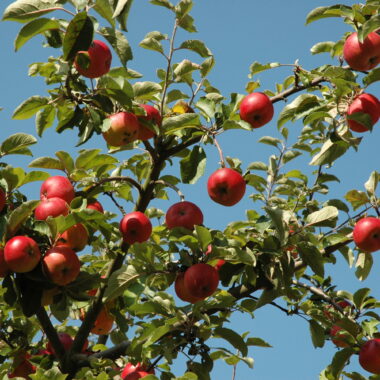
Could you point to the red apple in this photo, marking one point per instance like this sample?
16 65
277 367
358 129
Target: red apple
135 227
135 372
226 186
100 58
183 214
152 117
367 234
76 237
61 265
364 103
3 199
123 129
256 109
51 207
104 322
201 280
22 367
57 187
181 290
21 254
95 205
364 55
369 356
4 269
338 336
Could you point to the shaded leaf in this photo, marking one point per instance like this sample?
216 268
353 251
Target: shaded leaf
193 165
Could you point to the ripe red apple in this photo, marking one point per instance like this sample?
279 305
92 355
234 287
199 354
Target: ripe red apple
96 205
183 214
57 187
22 367
3 199
152 117
367 234
76 237
338 336
364 55
61 265
181 290
135 372
201 280
21 254
364 103
135 227
4 269
226 186
369 356
256 109
100 58
123 129
51 207
104 322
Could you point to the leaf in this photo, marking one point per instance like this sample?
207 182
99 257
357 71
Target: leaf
357 198
19 216
122 13
267 296
178 122
276 215
46 163
193 165
233 338
204 237
363 265
360 296
29 107
187 22
317 333
372 76
257 67
120 44
329 152
340 360
369 26
104 8
17 144
66 160
34 176
27 10
270 141
332 11
312 257
79 35
163 3
322 47
372 183
326 217
196 46
158 333
146 90
44 119
257 342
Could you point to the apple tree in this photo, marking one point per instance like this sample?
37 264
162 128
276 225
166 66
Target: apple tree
92 294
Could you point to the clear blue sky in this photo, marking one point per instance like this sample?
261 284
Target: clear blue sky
238 33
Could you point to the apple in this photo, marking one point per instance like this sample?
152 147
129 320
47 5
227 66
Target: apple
67 342
135 227
51 207
135 372
123 129
226 186
57 187
338 336
364 55
152 116
364 103
256 109
75 237
21 254
104 322
201 280
181 290
183 214
3 199
100 58
22 367
95 205
369 356
61 265
367 234
4 269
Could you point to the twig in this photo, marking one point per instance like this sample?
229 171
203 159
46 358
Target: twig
175 188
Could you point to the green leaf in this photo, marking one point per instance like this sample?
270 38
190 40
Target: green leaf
267 296
326 217
44 119
152 41
257 67
360 295
258 342
317 333
312 257
372 77
196 46
329 152
79 35
372 183
17 144
193 165
19 216
204 237
187 22
362 118
163 3
117 87
66 160
233 338
12 176
34 176
276 215
159 332
46 163
120 44
122 12
357 198
104 8
322 47
27 10
85 158
340 360
206 66
369 26
29 107
332 11
363 265
178 122
146 90
270 141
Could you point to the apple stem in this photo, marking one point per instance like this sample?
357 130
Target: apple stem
222 161
175 188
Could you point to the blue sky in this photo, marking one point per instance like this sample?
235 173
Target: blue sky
238 33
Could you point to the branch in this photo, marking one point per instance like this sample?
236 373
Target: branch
118 179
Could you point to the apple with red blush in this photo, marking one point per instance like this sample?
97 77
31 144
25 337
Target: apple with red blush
122 130
183 214
57 187
363 104
201 280
256 109
366 234
135 227
152 116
